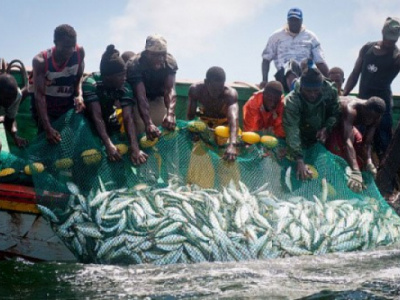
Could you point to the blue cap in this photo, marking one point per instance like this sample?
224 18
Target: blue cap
295 13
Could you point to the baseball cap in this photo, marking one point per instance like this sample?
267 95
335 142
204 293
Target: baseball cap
295 13
156 43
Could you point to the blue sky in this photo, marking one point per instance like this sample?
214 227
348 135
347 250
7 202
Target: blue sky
200 33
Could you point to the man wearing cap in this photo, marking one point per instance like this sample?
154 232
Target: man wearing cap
264 110
295 42
378 63
151 73
310 112
104 91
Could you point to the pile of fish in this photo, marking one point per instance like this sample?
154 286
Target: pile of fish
186 224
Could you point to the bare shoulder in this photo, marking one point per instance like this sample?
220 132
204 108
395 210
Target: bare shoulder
196 89
81 52
38 62
231 93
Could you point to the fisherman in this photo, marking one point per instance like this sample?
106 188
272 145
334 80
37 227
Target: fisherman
104 91
127 55
218 105
336 75
295 42
10 98
57 81
310 112
378 63
151 73
346 141
264 110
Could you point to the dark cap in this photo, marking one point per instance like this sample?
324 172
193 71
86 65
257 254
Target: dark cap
311 77
391 29
111 63
295 13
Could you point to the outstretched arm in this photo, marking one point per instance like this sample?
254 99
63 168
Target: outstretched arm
233 117
152 131
265 70
354 75
192 105
79 104
95 113
137 156
39 80
169 121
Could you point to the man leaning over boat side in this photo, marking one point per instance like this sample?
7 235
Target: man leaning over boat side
10 98
378 63
264 110
102 93
346 141
218 105
57 81
310 112
151 73
295 42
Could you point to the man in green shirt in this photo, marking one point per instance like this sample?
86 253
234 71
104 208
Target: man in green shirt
105 91
310 112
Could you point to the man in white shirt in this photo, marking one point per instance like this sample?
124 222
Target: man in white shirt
295 42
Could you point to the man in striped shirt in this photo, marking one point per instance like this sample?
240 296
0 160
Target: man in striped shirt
57 75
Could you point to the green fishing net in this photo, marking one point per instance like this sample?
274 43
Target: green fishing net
186 204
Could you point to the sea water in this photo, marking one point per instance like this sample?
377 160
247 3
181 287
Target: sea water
358 275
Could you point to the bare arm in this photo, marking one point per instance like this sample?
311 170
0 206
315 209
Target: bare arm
348 137
233 116
79 104
95 113
323 67
137 156
39 80
192 105
11 126
169 121
368 140
265 70
143 105
354 75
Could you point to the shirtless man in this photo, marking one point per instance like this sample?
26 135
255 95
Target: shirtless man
57 81
218 106
347 142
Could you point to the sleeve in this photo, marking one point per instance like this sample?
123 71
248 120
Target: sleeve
250 116
89 90
134 72
291 124
270 50
127 98
12 110
316 49
332 109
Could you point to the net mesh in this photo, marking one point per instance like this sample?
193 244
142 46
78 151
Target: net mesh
186 204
